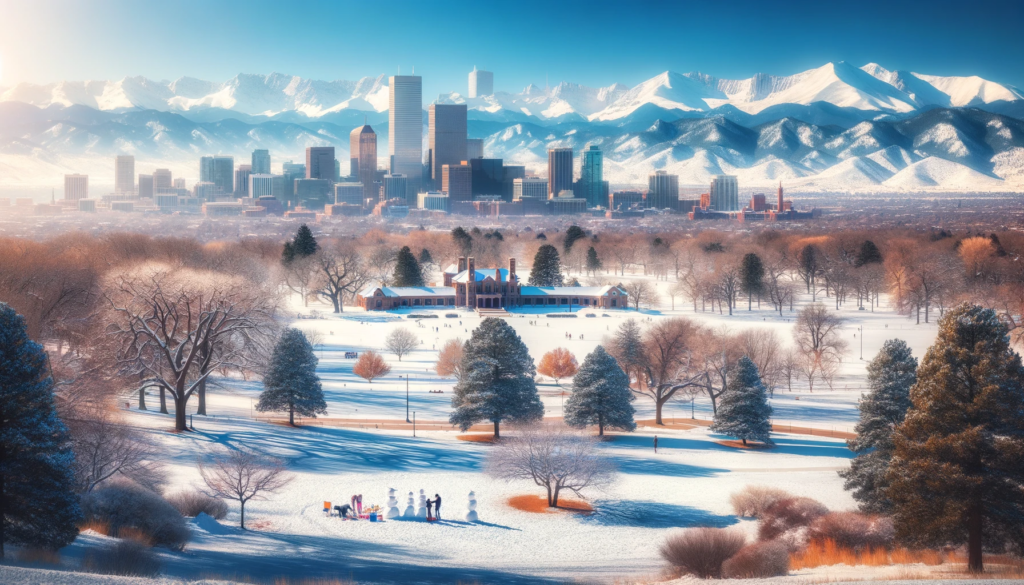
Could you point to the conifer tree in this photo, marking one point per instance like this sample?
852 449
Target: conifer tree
302 245
38 506
890 376
497 382
956 473
752 278
425 257
593 262
743 410
407 269
600 395
547 268
572 234
291 382
463 240
868 254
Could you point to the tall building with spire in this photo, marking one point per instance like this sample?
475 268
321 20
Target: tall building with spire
362 144
781 204
481 83
405 130
446 135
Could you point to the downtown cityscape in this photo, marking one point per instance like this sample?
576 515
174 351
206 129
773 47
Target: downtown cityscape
531 293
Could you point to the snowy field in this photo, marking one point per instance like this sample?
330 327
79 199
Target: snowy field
687 483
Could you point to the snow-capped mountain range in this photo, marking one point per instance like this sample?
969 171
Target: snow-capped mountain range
834 128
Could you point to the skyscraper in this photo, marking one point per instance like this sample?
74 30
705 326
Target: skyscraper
162 179
662 191
146 190
405 130
124 174
76 187
474 148
592 185
320 163
559 171
393 187
242 180
220 171
457 182
261 162
725 193
363 158
446 133
260 185
488 176
481 83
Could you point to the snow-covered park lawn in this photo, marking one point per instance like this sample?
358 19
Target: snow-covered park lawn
687 483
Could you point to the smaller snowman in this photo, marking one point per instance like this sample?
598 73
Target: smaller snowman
421 510
392 512
410 508
471 515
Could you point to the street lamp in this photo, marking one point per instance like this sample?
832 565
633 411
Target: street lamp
862 341
406 396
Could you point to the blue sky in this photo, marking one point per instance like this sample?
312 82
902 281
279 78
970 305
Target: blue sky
594 43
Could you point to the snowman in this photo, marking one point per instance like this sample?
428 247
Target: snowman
421 509
410 510
471 515
392 512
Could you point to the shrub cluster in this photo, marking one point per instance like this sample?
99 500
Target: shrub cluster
124 505
758 560
701 551
127 558
194 502
753 500
853 530
785 518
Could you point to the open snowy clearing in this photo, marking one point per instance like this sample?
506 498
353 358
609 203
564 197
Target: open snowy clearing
687 483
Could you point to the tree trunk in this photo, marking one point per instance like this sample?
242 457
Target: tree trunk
180 402
554 499
163 400
750 301
497 432
291 416
975 564
142 398
243 514
657 411
600 425
3 498
201 408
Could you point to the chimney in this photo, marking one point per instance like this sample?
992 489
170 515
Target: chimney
472 270
497 274
462 264
511 269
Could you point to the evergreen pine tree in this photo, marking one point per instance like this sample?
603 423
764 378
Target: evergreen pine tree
752 278
572 234
497 382
304 242
407 269
868 254
463 240
291 382
287 254
890 376
743 409
38 506
593 262
600 395
956 471
425 257
547 268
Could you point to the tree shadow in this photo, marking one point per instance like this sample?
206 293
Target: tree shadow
645 514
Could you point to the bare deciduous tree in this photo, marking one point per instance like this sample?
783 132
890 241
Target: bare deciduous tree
554 459
764 348
401 341
243 475
105 446
668 366
816 333
339 274
641 293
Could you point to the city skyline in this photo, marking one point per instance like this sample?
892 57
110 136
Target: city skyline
942 42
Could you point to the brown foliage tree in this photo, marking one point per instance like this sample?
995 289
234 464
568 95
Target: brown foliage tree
449 359
558 363
371 366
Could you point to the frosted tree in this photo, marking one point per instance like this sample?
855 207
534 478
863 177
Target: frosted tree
882 409
497 379
956 473
600 395
291 382
38 506
401 341
547 268
743 409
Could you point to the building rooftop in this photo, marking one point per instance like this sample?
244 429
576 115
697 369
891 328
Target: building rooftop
410 291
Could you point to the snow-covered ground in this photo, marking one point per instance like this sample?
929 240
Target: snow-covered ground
687 483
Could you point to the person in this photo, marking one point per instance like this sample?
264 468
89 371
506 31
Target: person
343 511
437 506
429 504
655 443
359 504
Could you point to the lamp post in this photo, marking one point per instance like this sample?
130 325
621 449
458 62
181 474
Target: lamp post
406 396
862 341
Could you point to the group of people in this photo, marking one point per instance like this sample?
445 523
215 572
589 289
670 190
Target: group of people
436 504
569 335
355 508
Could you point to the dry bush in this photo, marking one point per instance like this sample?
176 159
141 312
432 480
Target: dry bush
758 560
753 500
38 556
122 505
903 556
788 515
97 526
135 535
127 558
192 503
701 551
827 552
853 530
